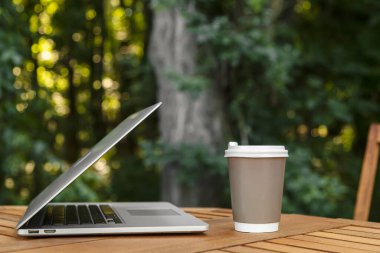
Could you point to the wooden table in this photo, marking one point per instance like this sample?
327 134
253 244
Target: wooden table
298 233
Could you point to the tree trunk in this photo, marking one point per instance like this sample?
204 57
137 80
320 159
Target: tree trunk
183 118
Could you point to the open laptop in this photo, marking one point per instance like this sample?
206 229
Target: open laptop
51 219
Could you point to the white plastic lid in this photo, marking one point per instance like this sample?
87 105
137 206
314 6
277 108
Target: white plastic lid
234 150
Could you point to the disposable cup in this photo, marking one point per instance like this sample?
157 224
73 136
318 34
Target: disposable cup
256 176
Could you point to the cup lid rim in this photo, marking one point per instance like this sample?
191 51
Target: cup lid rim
234 150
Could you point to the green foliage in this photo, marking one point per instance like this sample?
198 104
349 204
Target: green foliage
293 75
19 146
194 160
68 76
303 74
191 84
318 193
139 182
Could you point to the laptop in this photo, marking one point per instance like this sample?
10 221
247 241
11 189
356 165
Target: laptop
43 218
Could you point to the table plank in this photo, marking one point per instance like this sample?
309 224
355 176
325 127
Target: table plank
14 213
360 223
8 232
6 239
281 247
15 210
214 212
246 249
208 213
205 216
7 223
9 217
349 238
354 233
316 246
215 251
34 244
326 241
363 229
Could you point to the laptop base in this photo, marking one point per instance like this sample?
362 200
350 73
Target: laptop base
136 218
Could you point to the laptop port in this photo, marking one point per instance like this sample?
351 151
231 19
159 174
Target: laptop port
49 231
30 231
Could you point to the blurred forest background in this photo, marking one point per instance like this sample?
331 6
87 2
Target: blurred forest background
300 73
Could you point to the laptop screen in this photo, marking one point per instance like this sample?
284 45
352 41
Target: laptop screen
85 162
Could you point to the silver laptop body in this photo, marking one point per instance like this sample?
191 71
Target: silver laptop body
51 219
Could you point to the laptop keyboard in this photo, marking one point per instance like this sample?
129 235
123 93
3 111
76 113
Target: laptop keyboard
74 215
97 216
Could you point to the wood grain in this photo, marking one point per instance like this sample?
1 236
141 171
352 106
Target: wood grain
359 223
349 238
298 233
368 174
8 231
316 246
246 249
327 241
9 217
7 223
6 239
354 233
281 248
212 213
363 229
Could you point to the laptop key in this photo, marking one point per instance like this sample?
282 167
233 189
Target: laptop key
96 214
110 214
107 211
71 215
48 219
116 219
59 215
37 219
84 215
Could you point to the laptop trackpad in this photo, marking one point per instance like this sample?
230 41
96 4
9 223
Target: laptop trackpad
152 212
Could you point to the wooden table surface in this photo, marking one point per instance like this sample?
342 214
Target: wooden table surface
298 233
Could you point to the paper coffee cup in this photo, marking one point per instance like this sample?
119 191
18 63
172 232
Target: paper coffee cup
256 176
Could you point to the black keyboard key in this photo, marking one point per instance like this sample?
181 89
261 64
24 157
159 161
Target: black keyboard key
84 215
71 215
97 216
109 214
116 219
107 211
48 219
59 215
37 219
